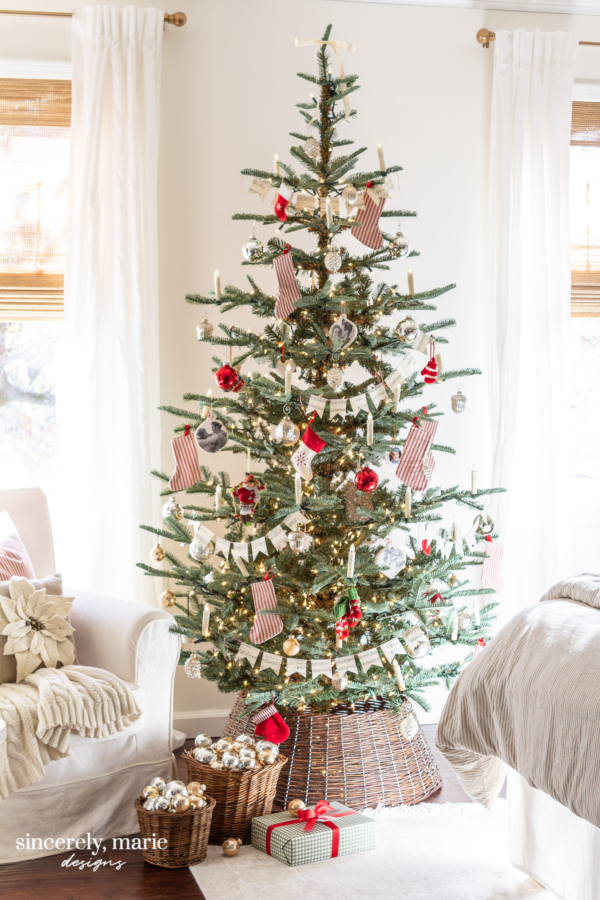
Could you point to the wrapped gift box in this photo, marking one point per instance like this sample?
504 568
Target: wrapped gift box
297 842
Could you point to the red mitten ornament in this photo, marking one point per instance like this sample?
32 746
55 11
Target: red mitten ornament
270 725
430 372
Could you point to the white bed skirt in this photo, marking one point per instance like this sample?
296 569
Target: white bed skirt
551 844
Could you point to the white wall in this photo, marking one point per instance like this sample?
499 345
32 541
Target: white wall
229 89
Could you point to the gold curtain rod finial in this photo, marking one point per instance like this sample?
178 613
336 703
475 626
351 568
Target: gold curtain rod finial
178 19
485 36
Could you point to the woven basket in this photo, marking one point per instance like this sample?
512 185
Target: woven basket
240 796
357 756
186 834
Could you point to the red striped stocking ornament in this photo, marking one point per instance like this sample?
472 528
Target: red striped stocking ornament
265 627
367 219
491 577
430 372
187 471
416 455
288 286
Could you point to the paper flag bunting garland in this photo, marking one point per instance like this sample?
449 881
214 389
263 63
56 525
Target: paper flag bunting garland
187 470
288 286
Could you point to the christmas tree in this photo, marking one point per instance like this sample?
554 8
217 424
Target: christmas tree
332 546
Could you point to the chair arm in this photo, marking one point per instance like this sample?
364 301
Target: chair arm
108 635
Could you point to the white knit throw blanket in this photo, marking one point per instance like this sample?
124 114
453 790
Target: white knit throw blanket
42 710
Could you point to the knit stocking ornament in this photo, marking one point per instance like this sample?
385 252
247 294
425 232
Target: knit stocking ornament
270 725
187 470
430 371
347 613
310 445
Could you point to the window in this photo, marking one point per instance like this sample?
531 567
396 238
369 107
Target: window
34 150
584 425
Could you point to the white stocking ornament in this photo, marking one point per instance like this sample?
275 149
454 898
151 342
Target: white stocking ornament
310 445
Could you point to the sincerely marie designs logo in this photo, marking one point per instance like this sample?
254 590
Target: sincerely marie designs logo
92 844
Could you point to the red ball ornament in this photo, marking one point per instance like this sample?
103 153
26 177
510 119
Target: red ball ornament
366 480
228 379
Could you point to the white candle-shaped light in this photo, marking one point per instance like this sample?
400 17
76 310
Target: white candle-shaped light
351 559
411 282
288 378
298 487
370 435
476 613
474 481
454 635
455 531
313 280
205 620
329 212
276 169
397 390
398 674
407 503
381 159
218 498
206 409
217 284
339 643
438 359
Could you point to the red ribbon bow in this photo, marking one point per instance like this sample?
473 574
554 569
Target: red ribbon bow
323 812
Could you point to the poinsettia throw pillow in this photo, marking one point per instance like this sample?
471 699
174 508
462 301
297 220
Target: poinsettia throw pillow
36 628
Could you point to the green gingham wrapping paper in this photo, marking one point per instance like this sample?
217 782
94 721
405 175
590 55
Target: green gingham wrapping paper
294 846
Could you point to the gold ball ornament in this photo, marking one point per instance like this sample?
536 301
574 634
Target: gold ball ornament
216 764
197 802
157 553
294 807
266 757
150 792
291 647
194 787
180 803
231 846
168 599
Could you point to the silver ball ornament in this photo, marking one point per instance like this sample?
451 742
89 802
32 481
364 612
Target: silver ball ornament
335 377
200 548
287 432
202 740
400 245
298 541
193 666
349 194
458 401
484 524
204 329
312 148
172 509
204 755
333 261
161 804
253 250
407 330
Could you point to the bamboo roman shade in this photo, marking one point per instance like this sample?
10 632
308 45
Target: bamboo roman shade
585 209
35 118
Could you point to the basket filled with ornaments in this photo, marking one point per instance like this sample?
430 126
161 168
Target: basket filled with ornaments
174 820
241 773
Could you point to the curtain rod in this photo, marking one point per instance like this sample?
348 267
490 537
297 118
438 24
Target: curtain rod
485 37
178 19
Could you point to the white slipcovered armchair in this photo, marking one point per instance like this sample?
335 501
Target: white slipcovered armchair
93 789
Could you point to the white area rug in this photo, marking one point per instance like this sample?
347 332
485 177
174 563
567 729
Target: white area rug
445 851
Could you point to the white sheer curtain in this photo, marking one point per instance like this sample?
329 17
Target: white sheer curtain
109 391
529 200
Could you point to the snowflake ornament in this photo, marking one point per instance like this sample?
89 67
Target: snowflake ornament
36 627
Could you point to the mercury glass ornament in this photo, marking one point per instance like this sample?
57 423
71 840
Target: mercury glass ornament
150 792
224 745
202 740
149 804
420 648
464 621
194 787
339 682
157 553
172 508
216 764
298 541
349 194
173 788
333 261
287 433
253 250
291 647
180 803
168 599
161 804
453 580
158 783
484 524
200 548
400 245
458 401
408 727
267 757
246 739
246 753
407 330
197 802
230 760
247 763
204 329
231 846
294 807
312 148
204 755
193 666
335 377
267 745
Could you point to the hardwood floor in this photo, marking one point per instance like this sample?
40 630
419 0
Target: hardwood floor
48 879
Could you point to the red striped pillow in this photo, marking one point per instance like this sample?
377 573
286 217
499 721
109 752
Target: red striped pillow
14 559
